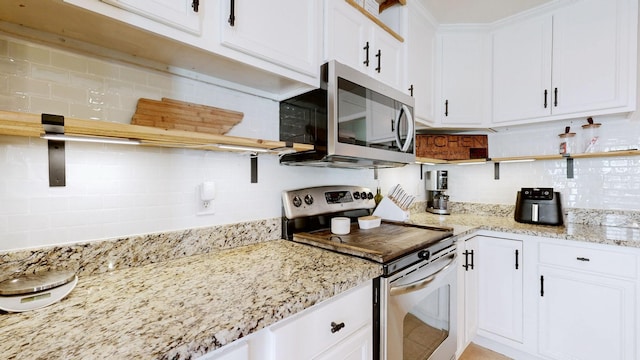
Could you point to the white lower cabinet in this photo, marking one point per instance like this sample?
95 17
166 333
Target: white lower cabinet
338 329
356 346
500 283
314 332
468 310
587 303
585 317
566 300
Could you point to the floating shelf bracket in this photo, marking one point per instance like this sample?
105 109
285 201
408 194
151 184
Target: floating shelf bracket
54 124
254 168
569 167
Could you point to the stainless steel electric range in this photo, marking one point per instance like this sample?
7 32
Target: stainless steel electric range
414 300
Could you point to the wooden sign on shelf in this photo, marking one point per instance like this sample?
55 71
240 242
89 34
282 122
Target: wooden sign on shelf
452 147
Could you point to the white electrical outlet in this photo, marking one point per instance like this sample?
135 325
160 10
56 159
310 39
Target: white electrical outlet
206 194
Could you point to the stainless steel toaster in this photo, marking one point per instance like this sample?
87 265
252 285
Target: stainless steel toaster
538 206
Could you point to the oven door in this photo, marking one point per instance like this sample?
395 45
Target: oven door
418 312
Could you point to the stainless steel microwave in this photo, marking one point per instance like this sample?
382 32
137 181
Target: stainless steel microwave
353 121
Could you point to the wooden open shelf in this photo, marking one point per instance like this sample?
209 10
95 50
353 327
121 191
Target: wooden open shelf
422 160
26 124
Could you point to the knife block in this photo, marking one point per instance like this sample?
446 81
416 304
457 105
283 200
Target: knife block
388 210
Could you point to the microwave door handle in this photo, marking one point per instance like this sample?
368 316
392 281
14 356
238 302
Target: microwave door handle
422 283
404 147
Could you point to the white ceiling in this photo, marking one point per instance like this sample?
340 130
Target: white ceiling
477 11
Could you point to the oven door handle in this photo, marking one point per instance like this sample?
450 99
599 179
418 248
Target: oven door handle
422 283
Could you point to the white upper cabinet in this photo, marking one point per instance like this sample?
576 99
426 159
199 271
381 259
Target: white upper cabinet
354 40
591 56
420 50
272 49
180 14
522 70
283 32
580 60
461 94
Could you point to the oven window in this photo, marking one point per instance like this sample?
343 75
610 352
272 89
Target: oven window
426 325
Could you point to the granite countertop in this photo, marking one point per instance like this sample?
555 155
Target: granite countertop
628 235
182 308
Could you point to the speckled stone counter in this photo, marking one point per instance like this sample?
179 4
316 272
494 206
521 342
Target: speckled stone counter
182 308
623 234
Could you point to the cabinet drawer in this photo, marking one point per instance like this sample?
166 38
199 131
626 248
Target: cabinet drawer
587 259
311 333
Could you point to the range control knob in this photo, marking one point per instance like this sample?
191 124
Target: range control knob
424 254
297 201
356 195
308 199
370 195
363 195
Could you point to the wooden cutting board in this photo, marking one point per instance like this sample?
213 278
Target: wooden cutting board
389 241
180 115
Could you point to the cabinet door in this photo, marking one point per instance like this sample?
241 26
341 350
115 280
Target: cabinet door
323 326
283 32
462 92
357 346
346 35
470 289
354 40
590 52
500 296
386 63
585 317
420 46
522 70
180 14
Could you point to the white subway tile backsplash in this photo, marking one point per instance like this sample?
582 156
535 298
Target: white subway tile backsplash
29 86
68 61
86 81
28 222
13 67
50 74
39 105
116 190
134 75
86 112
68 93
31 52
103 69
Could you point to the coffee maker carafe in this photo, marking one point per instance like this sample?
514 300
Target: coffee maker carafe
436 184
